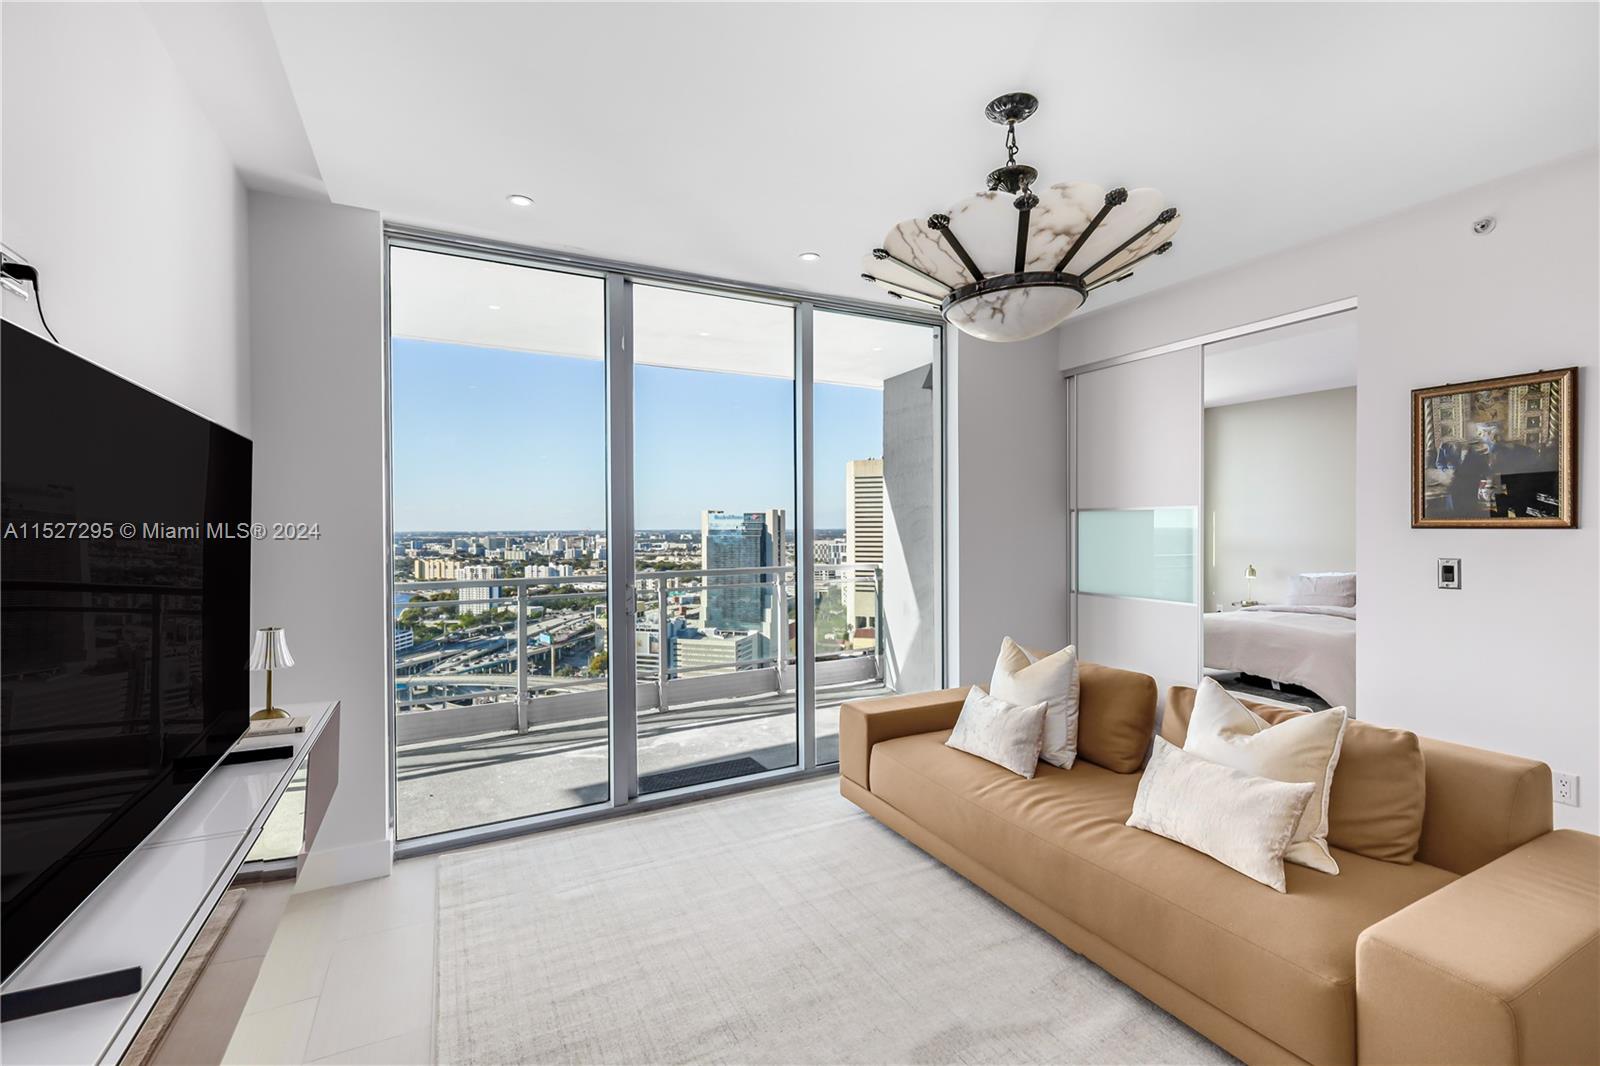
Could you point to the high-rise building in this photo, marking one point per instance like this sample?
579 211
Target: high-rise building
478 599
740 541
435 569
693 649
828 552
863 534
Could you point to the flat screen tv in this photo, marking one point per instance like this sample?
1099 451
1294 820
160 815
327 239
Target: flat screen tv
124 622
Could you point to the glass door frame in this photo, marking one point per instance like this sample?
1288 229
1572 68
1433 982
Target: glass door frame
621 579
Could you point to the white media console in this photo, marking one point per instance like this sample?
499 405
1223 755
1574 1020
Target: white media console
151 908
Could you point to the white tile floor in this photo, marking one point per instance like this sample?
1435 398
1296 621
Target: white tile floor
349 976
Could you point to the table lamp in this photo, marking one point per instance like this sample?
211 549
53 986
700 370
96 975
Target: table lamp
1249 587
270 651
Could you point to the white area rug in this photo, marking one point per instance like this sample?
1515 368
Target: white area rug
780 926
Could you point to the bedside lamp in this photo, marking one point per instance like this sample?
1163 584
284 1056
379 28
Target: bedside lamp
270 651
1249 586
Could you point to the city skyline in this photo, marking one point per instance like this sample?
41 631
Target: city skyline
703 440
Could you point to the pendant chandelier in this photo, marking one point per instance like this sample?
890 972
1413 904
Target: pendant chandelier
1011 263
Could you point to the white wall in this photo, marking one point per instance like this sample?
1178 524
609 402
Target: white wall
318 389
1510 661
114 185
1280 492
1007 447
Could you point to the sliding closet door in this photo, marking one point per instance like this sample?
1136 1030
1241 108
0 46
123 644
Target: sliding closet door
1136 505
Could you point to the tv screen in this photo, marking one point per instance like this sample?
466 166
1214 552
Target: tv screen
124 622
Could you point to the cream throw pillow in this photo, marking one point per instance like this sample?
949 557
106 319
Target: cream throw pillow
1303 748
1240 820
1003 733
1023 678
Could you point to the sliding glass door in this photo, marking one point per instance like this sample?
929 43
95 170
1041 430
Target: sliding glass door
876 515
714 504
648 535
498 475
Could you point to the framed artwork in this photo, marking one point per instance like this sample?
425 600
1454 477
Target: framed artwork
1496 453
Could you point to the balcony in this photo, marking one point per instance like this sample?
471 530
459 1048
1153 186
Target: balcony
504 713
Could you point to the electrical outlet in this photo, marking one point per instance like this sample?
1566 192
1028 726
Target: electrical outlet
1566 786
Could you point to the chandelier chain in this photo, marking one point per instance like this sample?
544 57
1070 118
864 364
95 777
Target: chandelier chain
1011 144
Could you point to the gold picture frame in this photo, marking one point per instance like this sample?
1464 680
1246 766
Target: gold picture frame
1499 453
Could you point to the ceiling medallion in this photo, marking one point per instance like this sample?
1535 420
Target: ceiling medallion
1009 264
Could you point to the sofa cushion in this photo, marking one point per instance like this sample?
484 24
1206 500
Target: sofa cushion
1376 803
1304 748
1243 821
1000 732
1023 677
1116 716
1282 964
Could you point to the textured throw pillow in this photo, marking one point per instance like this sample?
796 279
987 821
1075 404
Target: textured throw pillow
1379 787
1322 590
1240 820
1301 749
1001 732
1023 677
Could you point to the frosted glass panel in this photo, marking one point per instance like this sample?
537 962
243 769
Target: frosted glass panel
1147 553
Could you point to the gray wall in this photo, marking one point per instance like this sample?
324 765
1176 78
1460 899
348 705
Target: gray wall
1508 661
910 532
316 274
1280 492
1008 500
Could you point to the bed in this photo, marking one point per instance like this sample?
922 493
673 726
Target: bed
1313 646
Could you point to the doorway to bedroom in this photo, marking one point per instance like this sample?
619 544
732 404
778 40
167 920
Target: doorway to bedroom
1279 523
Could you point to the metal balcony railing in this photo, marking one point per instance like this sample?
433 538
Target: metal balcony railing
453 675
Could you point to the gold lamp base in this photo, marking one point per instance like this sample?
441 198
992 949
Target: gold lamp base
267 714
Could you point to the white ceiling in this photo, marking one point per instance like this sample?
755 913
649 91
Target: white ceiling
1306 357
727 138
456 299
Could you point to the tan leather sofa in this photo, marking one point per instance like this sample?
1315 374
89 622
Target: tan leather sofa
1486 948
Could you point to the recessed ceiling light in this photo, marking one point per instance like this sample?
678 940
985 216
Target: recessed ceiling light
516 199
703 333
810 257
877 347
494 307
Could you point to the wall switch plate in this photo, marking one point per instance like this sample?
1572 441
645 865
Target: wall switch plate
1566 788
1449 573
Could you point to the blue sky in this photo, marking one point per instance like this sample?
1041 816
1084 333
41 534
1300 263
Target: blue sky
492 439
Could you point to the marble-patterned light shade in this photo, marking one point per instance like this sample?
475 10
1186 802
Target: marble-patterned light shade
1014 314
921 263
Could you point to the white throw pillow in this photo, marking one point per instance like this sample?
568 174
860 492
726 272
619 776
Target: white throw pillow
1240 820
1001 732
1333 589
1302 748
1022 678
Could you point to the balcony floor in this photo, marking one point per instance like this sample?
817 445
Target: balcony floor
458 782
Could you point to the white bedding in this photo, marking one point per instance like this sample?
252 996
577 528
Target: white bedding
1305 645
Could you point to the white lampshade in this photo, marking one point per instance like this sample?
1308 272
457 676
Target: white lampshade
270 650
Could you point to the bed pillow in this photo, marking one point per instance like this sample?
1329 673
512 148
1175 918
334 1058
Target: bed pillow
1303 749
1379 787
1334 589
1241 820
1000 732
1023 677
